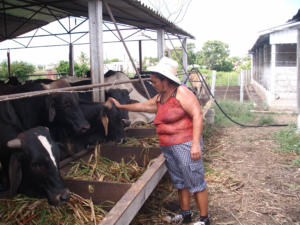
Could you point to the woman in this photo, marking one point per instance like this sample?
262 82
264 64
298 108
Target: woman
178 124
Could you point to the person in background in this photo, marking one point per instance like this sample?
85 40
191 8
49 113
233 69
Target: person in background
178 124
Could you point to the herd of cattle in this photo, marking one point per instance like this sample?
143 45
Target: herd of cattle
38 132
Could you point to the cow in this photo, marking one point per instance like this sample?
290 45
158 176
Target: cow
106 125
30 165
198 86
18 116
139 87
46 110
134 117
107 122
116 115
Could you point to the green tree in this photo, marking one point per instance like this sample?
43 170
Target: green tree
214 55
79 69
83 66
19 69
148 61
63 67
191 55
106 61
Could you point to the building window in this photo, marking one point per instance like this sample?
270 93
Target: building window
286 55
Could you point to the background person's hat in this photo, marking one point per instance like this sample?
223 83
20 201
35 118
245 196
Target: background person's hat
166 67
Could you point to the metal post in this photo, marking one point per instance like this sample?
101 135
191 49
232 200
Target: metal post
71 60
242 75
298 80
140 55
96 52
125 46
184 58
213 82
8 63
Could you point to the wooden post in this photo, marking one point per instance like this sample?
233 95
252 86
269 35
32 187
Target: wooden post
96 50
184 58
213 82
71 60
298 80
160 43
242 79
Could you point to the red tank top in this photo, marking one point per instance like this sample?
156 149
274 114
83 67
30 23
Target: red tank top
173 124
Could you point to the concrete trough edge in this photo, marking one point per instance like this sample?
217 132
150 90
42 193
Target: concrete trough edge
131 202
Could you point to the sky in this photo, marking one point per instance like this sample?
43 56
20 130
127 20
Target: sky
234 22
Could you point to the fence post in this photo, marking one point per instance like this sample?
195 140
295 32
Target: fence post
242 75
298 80
213 82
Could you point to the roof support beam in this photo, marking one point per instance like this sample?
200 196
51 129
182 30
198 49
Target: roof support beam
95 8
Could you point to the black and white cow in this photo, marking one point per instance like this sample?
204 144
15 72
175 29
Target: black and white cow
18 116
31 163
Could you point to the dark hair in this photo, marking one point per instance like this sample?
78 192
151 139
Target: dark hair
162 77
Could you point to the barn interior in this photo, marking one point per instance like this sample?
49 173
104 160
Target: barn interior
18 17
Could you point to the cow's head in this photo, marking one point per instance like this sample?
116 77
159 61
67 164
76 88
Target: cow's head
122 95
67 110
34 168
116 123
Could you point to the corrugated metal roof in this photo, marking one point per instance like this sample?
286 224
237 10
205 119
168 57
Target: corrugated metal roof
21 16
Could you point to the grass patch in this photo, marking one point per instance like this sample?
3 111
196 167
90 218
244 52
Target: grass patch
223 78
288 139
237 111
266 120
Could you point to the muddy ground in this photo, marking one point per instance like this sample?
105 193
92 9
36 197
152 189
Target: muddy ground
249 182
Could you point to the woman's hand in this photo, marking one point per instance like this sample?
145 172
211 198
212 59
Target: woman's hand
112 100
196 152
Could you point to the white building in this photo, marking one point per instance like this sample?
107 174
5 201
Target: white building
274 65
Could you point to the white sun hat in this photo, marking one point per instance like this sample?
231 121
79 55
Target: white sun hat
166 67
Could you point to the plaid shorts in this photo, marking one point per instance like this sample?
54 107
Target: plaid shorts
185 173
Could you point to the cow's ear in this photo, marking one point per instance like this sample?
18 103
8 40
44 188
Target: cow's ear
15 174
105 121
51 108
14 143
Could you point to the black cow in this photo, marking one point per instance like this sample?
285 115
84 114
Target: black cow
30 161
117 118
46 110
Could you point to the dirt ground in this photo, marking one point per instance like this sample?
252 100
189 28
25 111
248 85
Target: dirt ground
249 182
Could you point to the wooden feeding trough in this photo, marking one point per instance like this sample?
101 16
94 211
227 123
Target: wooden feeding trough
129 197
